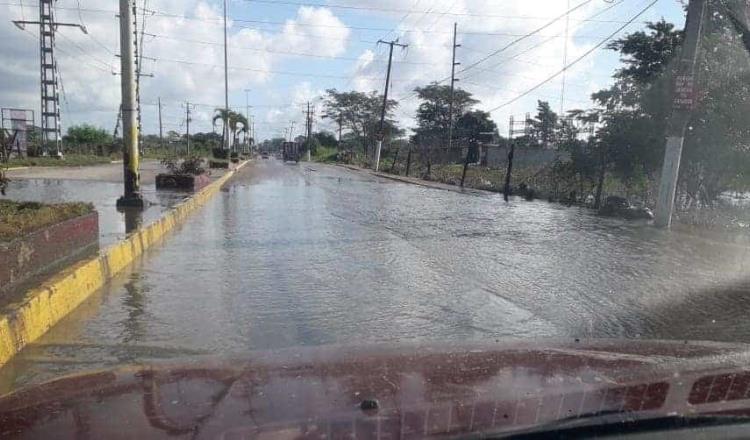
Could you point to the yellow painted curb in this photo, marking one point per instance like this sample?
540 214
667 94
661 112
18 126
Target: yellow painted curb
42 307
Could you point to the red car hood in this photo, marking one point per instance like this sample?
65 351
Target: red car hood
386 392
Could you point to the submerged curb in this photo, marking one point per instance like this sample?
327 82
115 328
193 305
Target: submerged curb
419 182
42 307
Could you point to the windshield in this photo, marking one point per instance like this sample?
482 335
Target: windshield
213 181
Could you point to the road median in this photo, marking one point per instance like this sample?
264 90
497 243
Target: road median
40 308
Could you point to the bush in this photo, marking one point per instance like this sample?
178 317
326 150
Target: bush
234 155
192 166
220 153
18 218
4 181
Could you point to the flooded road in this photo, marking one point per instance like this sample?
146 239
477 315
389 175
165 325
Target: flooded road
292 255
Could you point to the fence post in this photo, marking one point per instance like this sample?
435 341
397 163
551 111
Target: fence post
466 165
395 159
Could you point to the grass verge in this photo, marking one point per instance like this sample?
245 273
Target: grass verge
19 218
72 160
325 155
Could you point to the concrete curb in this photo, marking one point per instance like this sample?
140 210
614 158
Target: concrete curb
420 182
42 307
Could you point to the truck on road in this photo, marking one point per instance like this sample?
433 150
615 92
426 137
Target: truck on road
290 152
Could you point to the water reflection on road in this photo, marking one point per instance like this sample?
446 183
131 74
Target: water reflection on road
311 254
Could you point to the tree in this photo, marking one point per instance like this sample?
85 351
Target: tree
544 126
86 134
326 139
359 113
231 122
472 127
433 114
636 108
632 113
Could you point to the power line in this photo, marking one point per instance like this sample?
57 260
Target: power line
282 52
577 60
518 40
395 10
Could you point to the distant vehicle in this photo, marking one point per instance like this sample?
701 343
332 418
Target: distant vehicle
264 155
290 152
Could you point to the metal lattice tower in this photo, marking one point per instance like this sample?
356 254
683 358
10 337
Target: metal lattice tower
49 77
50 115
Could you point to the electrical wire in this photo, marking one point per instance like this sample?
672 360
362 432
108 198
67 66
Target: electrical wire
577 60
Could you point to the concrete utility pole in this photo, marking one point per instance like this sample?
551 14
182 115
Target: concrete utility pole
132 196
381 132
683 101
291 131
226 79
247 114
341 121
187 125
161 132
51 127
453 86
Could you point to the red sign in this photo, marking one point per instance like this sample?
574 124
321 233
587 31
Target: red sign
684 92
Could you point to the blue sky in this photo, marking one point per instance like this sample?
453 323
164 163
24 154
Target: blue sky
287 52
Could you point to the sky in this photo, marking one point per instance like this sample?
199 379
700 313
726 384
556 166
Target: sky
284 53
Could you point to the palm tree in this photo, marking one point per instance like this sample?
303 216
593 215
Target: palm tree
230 121
236 119
225 116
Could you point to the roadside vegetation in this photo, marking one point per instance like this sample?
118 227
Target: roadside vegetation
615 147
19 218
72 160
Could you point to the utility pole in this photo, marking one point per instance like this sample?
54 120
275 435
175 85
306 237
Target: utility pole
381 132
683 100
291 131
308 130
226 79
341 121
132 196
512 132
247 113
187 125
161 133
453 86
50 97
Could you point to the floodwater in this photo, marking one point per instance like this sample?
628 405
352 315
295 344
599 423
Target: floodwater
292 255
113 225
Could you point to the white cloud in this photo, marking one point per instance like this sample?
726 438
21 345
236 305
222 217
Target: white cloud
189 57
485 26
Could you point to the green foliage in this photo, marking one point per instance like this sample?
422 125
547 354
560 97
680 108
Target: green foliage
359 113
544 127
18 218
326 139
190 166
86 134
326 155
232 121
70 160
433 113
472 124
